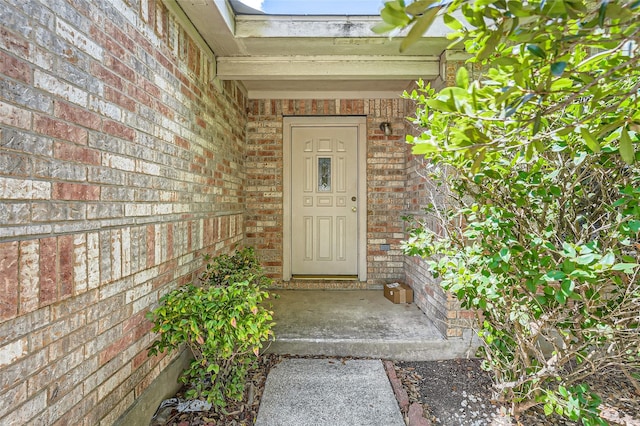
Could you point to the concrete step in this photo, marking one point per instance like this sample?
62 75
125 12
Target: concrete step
357 323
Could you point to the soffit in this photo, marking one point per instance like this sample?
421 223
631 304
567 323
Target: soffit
312 56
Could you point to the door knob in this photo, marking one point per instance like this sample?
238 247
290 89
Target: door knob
353 209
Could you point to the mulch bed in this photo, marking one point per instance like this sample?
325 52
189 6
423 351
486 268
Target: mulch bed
451 393
240 413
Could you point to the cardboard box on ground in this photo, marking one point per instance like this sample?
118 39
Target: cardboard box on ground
398 293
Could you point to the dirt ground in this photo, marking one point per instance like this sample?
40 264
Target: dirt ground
452 393
459 393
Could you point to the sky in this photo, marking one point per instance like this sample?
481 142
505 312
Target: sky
317 7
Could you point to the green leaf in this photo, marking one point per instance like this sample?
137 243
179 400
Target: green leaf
477 162
452 22
557 8
626 147
561 84
626 267
568 249
505 254
591 142
420 6
554 276
536 50
567 287
489 46
518 9
423 148
557 68
586 259
383 27
393 16
563 391
528 155
421 25
462 78
608 259
602 13
548 408
438 105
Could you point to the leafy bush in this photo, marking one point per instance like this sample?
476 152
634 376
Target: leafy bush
538 143
547 257
242 265
222 322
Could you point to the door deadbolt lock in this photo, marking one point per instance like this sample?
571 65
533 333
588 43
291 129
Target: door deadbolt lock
353 198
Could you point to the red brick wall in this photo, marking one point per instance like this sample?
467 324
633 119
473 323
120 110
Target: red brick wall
421 191
121 164
385 179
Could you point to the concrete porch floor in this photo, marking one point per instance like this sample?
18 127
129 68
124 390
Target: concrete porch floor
358 323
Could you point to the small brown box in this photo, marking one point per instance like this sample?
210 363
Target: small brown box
398 293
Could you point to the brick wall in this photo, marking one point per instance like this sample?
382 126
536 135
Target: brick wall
422 190
121 164
385 180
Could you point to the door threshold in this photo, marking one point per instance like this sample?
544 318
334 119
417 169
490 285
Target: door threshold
325 277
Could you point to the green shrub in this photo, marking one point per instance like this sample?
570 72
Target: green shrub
537 149
222 322
242 265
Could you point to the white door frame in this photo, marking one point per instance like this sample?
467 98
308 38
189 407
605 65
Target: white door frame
361 203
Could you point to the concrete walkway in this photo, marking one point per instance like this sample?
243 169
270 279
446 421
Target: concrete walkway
358 323
349 323
328 392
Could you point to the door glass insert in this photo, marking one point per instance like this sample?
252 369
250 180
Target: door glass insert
324 174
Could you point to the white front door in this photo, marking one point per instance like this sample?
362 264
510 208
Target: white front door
324 198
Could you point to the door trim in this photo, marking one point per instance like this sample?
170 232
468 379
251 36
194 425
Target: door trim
337 121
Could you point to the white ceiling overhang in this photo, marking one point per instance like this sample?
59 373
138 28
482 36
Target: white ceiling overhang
312 56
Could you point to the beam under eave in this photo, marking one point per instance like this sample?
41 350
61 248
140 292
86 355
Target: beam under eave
328 68
324 26
215 21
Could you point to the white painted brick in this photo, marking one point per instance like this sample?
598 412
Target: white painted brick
118 162
162 209
105 108
73 36
27 411
200 241
126 252
12 398
13 351
116 287
144 10
148 168
14 116
132 209
186 259
144 302
19 189
116 255
65 403
138 292
80 263
93 260
158 244
61 88
29 276
144 276
114 381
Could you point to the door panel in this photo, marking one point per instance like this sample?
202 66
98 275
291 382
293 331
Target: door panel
324 187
